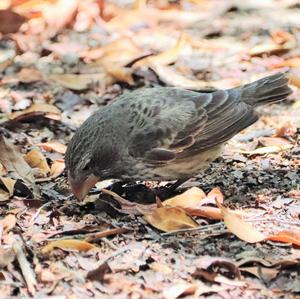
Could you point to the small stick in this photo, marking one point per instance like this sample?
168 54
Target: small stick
27 272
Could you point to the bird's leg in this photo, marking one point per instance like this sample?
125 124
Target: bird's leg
178 183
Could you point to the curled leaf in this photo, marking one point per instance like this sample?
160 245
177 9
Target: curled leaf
70 244
169 219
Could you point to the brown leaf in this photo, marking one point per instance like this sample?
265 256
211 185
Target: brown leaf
292 62
240 227
98 274
57 168
81 81
8 222
168 219
9 184
68 244
10 21
37 160
14 161
294 80
54 146
34 110
27 75
164 58
286 237
286 130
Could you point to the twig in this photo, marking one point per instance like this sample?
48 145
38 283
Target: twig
38 212
210 227
27 272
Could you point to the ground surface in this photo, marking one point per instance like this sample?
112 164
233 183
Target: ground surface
220 44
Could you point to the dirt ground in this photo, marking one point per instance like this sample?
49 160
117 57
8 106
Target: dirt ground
106 248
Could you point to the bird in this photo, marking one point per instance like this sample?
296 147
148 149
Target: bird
164 133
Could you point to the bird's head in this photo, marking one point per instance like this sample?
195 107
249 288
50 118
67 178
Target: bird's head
80 164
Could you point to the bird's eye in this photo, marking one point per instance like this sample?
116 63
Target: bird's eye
86 167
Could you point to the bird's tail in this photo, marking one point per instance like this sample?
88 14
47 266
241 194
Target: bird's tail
270 89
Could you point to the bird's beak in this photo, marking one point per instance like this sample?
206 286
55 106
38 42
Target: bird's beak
81 188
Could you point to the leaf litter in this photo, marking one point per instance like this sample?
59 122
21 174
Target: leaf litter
233 231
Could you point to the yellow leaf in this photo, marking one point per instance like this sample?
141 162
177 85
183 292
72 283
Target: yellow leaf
37 160
294 80
69 244
187 199
168 219
240 227
275 141
271 48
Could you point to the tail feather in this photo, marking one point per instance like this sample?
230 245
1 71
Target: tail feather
270 89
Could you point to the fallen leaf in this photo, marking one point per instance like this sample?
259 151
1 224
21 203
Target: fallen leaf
98 274
164 58
4 196
281 37
275 141
34 110
266 150
81 81
8 222
286 130
53 146
57 168
14 161
7 256
37 160
187 199
294 80
9 184
286 237
68 244
291 62
27 75
10 21
240 227
168 219
271 49
266 274
178 290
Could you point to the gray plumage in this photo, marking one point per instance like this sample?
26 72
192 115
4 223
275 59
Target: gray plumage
166 133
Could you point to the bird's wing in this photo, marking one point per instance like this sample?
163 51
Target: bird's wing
168 123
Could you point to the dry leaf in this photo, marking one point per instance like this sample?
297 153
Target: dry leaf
192 202
70 244
286 130
4 196
37 160
286 237
37 109
292 62
275 141
168 219
14 161
266 150
53 146
9 184
57 168
80 82
187 199
179 290
294 80
271 49
27 75
10 21
167 57
240 227
8 223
